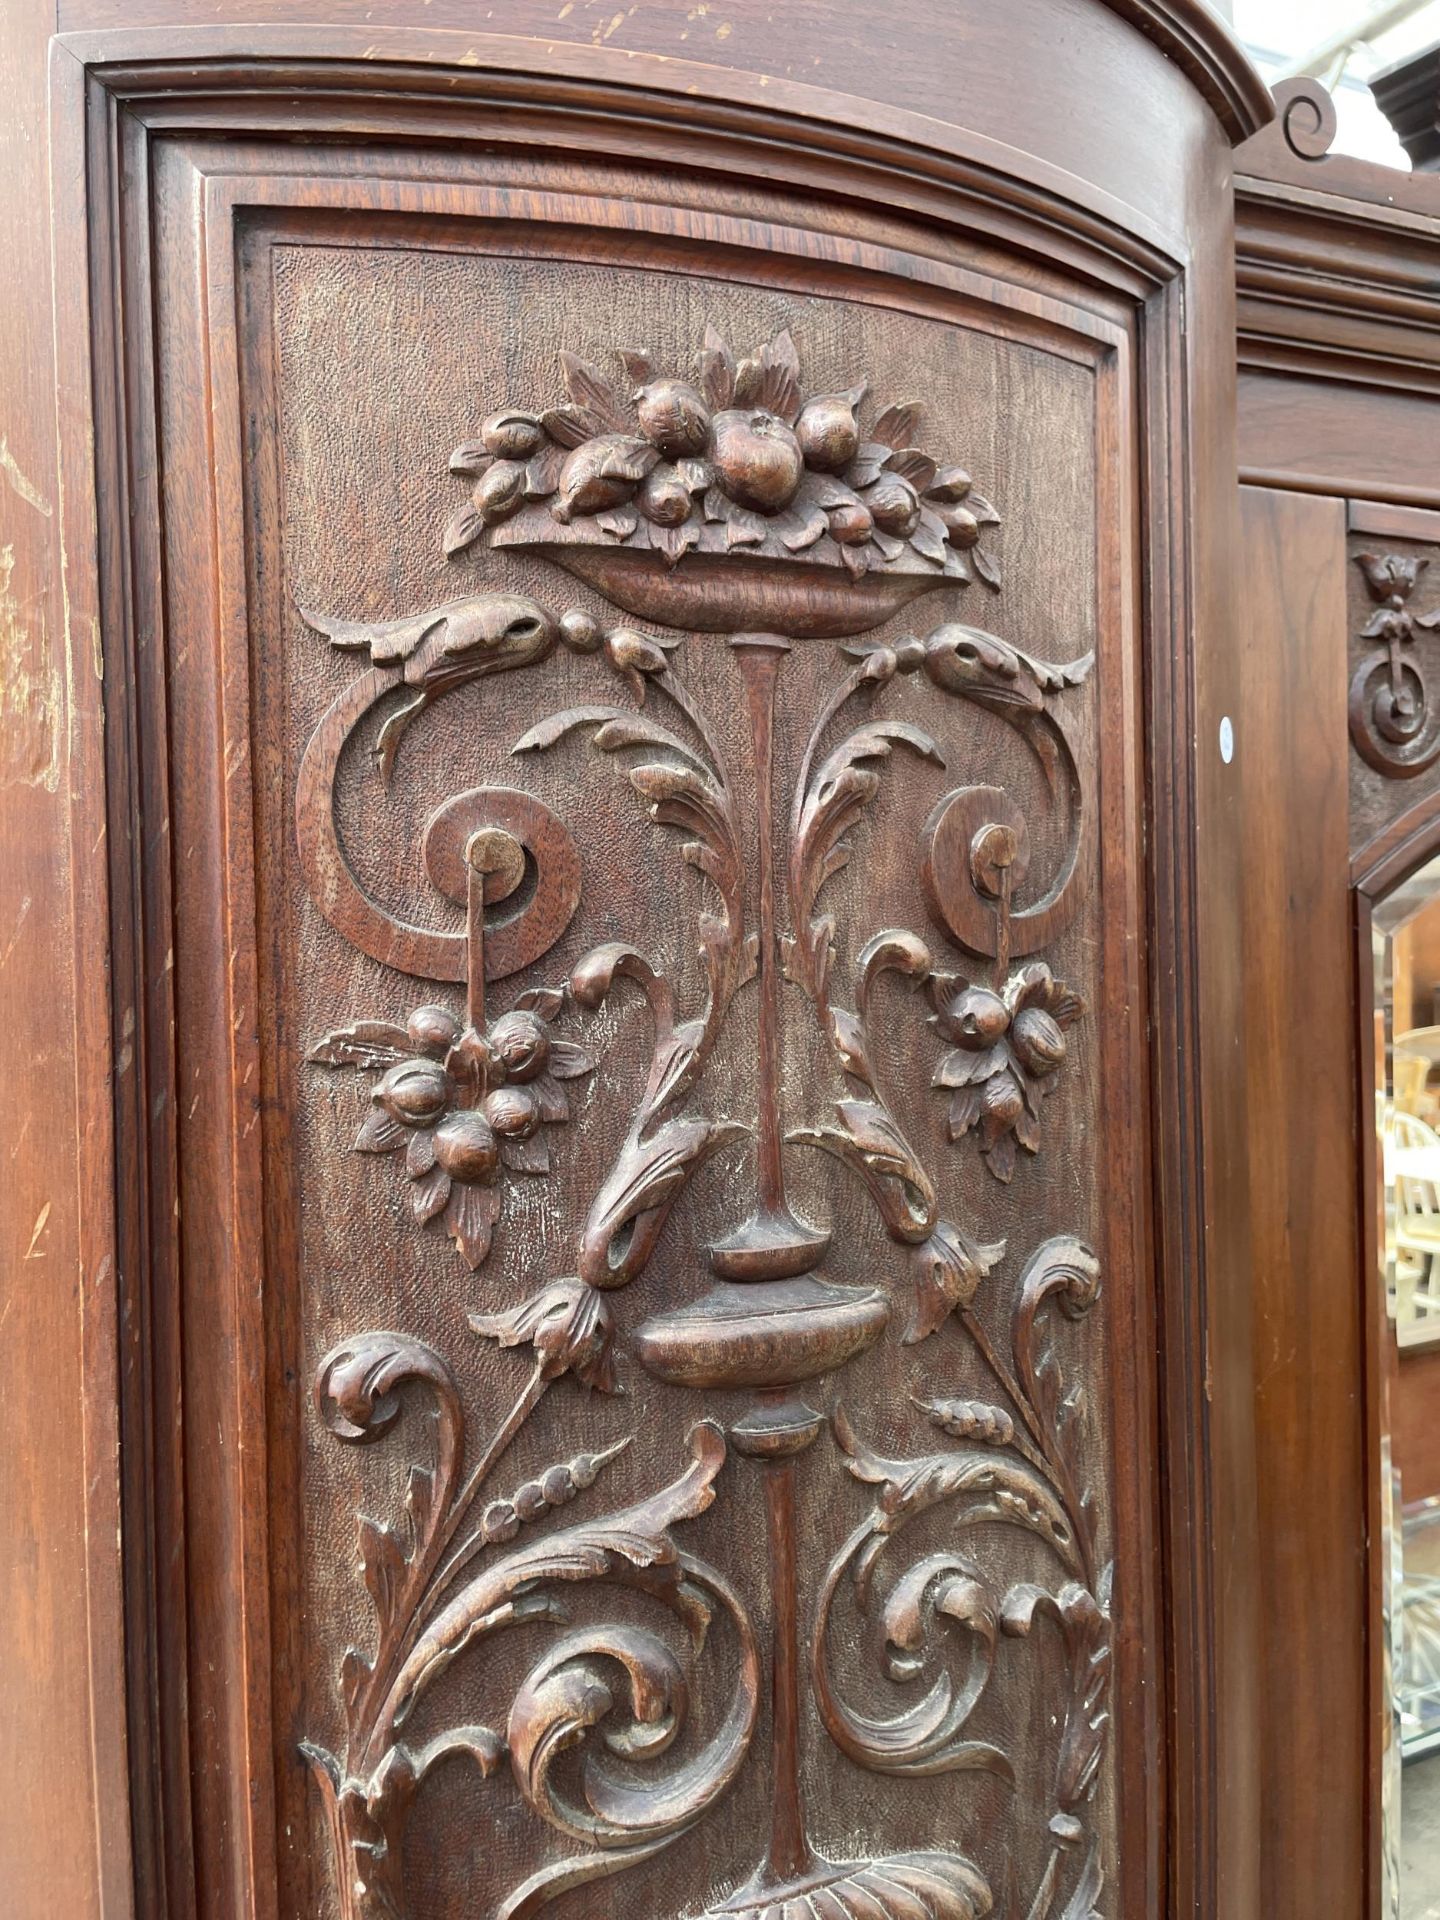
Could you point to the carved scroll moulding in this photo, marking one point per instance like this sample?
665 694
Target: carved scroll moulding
721 499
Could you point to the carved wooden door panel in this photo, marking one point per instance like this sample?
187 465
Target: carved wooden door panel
686 959
651 1403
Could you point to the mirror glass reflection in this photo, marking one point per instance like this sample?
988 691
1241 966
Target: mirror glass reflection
1406 952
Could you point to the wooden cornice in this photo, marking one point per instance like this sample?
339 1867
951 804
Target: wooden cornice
1337 260
1200 43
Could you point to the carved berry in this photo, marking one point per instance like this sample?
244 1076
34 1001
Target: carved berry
559 1485
529 1500
664 498
1038 1040
580 631
433 1029
500 1521
414 1092
673 418
466 1147
757 458
962 529
513 1112
499 492
950 484
895 505
851 524
520 1043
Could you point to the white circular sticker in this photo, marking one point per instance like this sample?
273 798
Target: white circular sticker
1227 740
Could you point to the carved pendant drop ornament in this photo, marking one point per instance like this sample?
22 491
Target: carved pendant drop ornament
720 501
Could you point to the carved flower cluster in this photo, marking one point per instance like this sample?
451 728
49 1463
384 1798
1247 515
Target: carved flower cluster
462 1105
735 457
1005 1049
1391 579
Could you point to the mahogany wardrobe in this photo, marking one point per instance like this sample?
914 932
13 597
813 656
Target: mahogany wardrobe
679 986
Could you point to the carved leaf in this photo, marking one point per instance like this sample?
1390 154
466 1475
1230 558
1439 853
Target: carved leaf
716 368
895 428
571 427
929 537
542 471
628 1213
771 379
530 1156
470 1217
383 1563
999 1486
570 1327
913 465
471 458
462 530
870 1143
834 799
1084 1902
569 1061
619 521
1085 1631
368 1044
950 1269
988 571
871 459
589 388
802 527
910 1886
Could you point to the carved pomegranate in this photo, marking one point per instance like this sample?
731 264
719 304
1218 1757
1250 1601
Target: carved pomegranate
673 417
520 1043
977 1017
414 1092
466 1146
757 458
1038 1040
513 1112
828 432
433 1029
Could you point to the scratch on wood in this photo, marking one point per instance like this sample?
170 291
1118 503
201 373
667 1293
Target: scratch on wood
29 696
44 1215
14 940
29 493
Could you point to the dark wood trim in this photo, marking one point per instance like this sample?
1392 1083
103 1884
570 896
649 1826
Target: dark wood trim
1388 522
